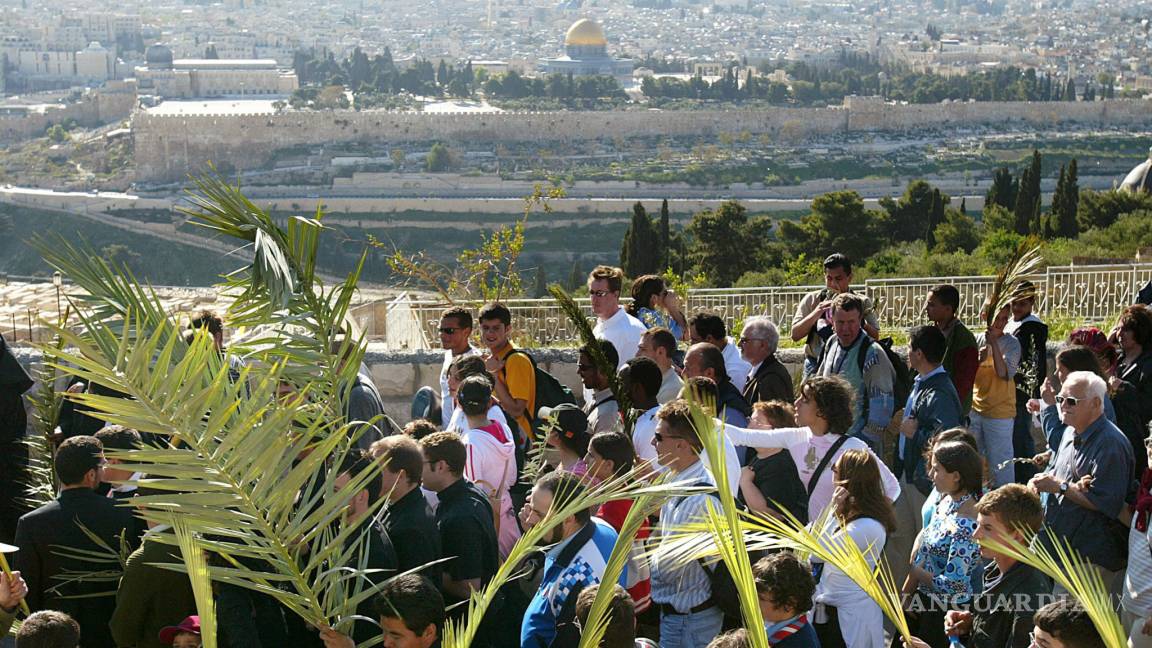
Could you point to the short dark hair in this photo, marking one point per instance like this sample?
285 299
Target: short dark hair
469 365
413 599
76 456
420 428
609 351
399 452
959 457
709 324
786 581
711 358
566 488
621 631
615 447
838 260
678 416
446 447
662 338
832 396
208 319
118 437
946 294
356 462
1068 622
462 315
1078 357
614 276
645 373
1016 504
496 311
48 629
930 341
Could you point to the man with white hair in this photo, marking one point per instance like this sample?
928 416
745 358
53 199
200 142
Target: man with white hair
769 379
1089 478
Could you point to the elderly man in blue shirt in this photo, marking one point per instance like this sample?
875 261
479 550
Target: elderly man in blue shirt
1089 478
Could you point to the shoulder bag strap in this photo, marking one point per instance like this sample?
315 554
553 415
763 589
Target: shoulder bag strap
836 445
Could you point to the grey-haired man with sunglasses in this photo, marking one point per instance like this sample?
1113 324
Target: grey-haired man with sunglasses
1089 479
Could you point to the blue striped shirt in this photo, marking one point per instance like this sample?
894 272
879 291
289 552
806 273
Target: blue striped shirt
681 586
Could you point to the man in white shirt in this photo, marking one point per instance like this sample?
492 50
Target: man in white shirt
613 323
658 344
710 328
640 379
455 330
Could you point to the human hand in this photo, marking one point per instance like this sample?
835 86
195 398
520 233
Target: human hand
916 643
76 388
1083 484
1041 460
1114 383
493 363
1033 406
671 301
993 334
839 496
333 639
908 427
1048 392
824 305
1044 483
1146 629
957 623
12 590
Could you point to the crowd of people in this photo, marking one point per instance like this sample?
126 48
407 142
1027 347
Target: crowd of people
913 460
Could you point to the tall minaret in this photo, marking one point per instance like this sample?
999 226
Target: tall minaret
491 14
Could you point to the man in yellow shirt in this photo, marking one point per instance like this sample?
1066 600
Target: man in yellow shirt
515 375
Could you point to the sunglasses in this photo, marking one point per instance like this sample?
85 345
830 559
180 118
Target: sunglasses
661 438
599 293
585 367
448 330
1070 400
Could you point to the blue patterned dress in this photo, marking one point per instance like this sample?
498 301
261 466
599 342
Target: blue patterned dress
653 318
948 552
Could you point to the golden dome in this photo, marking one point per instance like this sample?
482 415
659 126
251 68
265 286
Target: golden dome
585 32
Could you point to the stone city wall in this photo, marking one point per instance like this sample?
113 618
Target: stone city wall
94 109
170 146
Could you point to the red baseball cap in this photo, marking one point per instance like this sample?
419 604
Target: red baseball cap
190 624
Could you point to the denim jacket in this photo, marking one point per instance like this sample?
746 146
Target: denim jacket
936 406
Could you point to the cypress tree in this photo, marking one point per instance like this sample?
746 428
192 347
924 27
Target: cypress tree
1064 213
1028 198
639 252
935 217
665 232
576 278
541 287
1070 90
1051 224
1003 190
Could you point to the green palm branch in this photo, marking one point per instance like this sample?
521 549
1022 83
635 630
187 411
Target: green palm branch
723 523
598 617
1066 566
1007 286
196 566
628 486
40 478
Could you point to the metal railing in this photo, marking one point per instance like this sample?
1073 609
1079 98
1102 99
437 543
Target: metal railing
1087 293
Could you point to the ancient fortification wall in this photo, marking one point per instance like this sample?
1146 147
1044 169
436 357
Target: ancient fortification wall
170 146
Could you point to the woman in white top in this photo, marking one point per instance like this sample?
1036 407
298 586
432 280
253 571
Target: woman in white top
846 617
824 412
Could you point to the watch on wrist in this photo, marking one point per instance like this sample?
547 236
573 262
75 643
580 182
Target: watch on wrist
1063 487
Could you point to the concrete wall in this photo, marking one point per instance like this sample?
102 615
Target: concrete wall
170 146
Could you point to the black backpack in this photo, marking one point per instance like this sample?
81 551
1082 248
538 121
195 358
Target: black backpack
550 392
725 594
902 378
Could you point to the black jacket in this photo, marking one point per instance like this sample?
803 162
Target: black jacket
58 524
771 382
1033 337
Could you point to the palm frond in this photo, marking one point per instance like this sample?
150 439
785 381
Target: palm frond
197 568
723 524
598 617
580 322
40 484
1066 566
628 486
1007 286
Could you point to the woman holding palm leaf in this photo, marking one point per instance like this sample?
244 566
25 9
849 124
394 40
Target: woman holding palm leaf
844 615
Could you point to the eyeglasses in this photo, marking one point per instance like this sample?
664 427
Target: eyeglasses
661 438
448 330
1070 400
599 293
742 340
585 367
